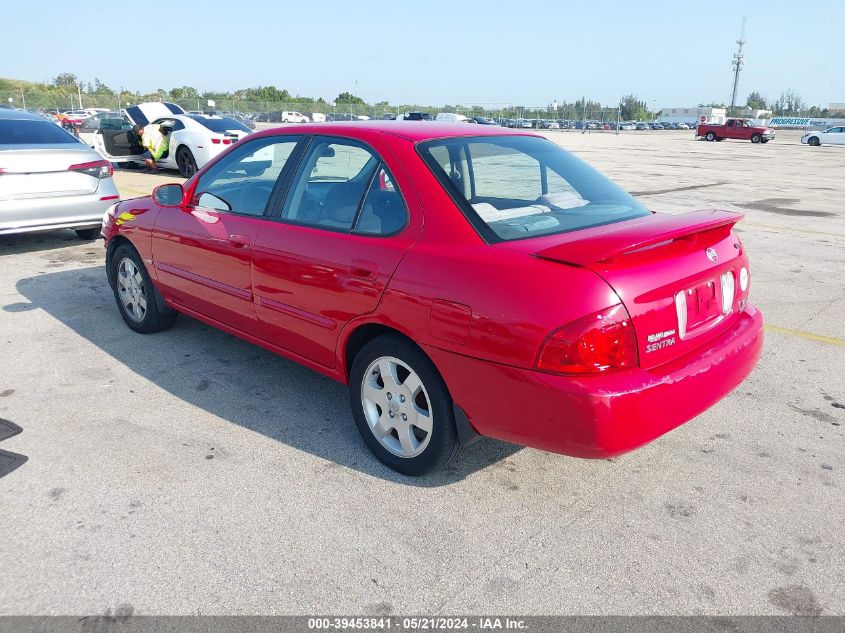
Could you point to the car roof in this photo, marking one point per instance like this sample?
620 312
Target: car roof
415 131
19 115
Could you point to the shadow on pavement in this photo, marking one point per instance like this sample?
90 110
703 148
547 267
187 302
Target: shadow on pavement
47 240
230 378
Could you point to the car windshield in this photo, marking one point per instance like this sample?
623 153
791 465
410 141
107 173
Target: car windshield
25 132
516 187
219 124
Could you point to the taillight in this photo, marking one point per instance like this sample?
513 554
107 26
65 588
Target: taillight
227 141
599 342
216 141
97 169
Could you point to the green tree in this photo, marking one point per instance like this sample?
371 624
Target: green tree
347 98
185 92
265 93
756 101
630 107
68 81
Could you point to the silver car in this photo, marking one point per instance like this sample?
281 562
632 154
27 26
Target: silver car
49 179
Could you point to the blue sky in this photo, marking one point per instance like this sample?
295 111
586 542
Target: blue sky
436 52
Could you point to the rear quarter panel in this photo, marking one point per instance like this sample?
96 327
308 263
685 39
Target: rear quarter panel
455 292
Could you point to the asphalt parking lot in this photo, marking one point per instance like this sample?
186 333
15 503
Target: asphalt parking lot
190 472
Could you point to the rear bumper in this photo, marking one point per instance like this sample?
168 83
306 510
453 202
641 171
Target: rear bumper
600 416
65 212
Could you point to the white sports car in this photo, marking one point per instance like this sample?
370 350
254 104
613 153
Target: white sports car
194 139
830 136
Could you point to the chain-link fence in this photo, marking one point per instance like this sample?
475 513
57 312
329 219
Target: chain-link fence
271 111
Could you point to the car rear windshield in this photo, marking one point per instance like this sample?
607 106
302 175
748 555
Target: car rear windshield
25 132
516 187
220 124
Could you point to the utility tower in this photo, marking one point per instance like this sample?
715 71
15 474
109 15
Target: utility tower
738 63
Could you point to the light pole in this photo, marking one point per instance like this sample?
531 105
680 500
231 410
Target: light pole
79 93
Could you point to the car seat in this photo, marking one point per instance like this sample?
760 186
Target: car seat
340 205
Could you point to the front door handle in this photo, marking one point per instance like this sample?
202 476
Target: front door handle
363 269
238 241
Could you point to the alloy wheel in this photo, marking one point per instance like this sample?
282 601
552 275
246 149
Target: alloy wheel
131 290
397 407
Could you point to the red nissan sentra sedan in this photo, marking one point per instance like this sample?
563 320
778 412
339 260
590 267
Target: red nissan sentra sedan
461 279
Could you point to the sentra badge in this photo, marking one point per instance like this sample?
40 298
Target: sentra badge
659 340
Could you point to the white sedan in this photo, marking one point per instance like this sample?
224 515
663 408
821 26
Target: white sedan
830 136
194 139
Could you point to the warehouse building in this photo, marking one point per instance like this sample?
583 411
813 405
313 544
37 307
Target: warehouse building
693 115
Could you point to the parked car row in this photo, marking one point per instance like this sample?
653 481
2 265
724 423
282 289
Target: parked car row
589 124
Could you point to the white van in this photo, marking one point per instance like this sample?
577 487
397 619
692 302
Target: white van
294 117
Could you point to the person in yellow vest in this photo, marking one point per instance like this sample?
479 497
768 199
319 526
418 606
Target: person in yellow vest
155 140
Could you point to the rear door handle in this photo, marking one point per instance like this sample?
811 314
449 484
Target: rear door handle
238 241
363 269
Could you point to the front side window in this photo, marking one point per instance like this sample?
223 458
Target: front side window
243 180
514 187
174 124
330 184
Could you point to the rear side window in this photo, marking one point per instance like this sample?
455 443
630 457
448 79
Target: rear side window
220 125
383 211
25 132
330 184
343 186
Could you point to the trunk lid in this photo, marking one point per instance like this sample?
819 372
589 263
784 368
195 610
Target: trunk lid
147 112
649 261
42 172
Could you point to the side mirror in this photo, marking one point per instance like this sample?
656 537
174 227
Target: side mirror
169 195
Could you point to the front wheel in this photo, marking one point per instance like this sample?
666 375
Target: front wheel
710 136
185 162
756 138
135 294
402 407
814 141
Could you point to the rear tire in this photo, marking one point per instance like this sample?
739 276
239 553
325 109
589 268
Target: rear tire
185 162
135 294
402 407
756 138
88 234
711 136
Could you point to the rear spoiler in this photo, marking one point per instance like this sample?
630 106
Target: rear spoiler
633 235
